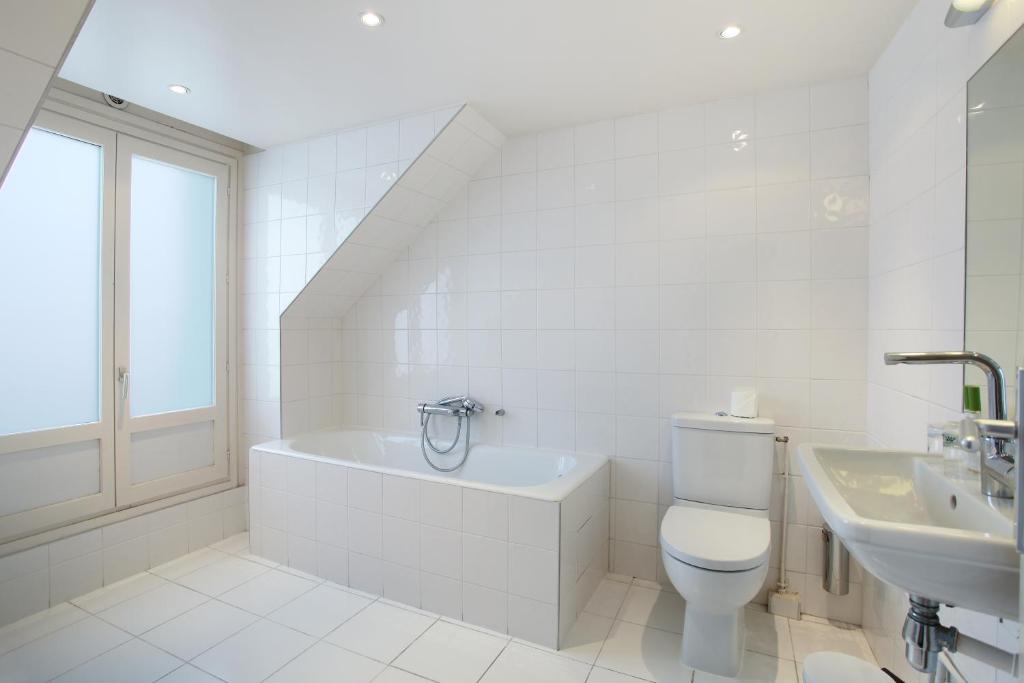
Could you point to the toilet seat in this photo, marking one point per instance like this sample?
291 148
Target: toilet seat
836 667
716 539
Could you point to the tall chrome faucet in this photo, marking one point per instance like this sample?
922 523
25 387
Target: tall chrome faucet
993 437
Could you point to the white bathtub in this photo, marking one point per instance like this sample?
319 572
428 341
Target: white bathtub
516 540
543 474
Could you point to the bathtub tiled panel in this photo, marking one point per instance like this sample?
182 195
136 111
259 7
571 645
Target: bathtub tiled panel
583 543
500 561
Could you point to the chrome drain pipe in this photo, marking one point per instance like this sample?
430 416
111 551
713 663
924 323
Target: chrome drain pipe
926 639
924 635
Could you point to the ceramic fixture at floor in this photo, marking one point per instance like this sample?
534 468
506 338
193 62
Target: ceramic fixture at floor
715 539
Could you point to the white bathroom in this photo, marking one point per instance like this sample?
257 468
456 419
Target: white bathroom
499 341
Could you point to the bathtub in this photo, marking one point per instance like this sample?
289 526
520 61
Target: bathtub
515 541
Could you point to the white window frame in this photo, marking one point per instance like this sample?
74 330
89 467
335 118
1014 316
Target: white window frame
27 529
102 431
129 493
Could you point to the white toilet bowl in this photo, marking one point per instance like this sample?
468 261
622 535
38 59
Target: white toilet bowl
717 558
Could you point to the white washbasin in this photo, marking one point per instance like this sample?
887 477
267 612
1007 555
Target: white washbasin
913 524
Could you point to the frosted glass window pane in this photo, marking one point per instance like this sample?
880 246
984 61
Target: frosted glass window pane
50 218
172 288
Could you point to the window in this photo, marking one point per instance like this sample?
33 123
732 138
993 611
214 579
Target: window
50 226
114 394
171 321
173 217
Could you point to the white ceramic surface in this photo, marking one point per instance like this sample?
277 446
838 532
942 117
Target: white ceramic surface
910 523
530 472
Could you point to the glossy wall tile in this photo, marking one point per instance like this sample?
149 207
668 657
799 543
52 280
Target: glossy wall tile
594 280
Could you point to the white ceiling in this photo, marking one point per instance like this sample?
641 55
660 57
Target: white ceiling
272 71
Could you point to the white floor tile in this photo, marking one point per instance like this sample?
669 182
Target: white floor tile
451 653
599 675
143 612
607 598
654 608
648 653
299 573
810 637
396 603
132 662
586 637
629 629
108 596
320 611
768 634
393 675
325 663
380 631
518 663
233 544
222 576
254 653
186 564
757 668
38 625
199 629
267 592
189 674
259 559
60 651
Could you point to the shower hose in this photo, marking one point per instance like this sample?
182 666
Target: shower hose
425 442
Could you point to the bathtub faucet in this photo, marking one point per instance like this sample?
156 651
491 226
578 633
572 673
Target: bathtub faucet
461 407
452 406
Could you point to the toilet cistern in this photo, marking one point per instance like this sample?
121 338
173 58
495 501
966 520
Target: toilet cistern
716 538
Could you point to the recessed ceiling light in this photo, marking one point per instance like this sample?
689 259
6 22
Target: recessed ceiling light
178 89
371 19
730 32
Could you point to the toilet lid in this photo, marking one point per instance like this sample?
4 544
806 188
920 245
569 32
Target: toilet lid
715 539
836 667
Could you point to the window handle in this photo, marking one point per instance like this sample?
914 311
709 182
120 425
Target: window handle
122 377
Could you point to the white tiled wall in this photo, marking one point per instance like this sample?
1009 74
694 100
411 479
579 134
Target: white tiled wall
312 377
33 39
301 201
41 577
487 558
594 280
916 262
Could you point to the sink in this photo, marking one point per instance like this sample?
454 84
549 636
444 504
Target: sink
911 522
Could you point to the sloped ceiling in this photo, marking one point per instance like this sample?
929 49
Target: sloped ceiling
392 225
35 37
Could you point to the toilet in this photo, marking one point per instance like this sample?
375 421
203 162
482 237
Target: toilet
715 538
837 667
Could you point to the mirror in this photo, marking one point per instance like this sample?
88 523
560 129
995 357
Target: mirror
993 319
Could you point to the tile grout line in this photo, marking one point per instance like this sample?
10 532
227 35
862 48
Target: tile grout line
317 582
